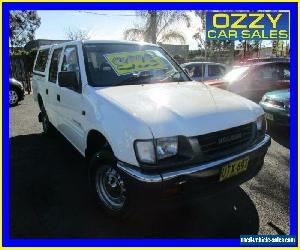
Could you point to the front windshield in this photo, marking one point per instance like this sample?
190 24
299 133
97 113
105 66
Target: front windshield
128 64
235 74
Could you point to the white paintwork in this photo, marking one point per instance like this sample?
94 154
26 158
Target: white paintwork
124 114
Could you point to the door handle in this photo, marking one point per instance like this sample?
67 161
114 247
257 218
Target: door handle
58 98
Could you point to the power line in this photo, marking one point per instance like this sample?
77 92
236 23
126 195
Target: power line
104 14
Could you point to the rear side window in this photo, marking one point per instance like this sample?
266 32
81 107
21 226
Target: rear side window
267 73
41 60
216 70
54 65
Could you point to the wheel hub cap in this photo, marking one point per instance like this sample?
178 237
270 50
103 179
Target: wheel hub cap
111 188
13 97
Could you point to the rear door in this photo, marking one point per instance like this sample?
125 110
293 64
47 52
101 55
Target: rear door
52 88
70 100
39 74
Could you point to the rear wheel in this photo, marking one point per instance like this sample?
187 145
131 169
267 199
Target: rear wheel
45 123
48 128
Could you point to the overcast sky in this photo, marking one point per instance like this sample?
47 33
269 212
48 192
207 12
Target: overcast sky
111 25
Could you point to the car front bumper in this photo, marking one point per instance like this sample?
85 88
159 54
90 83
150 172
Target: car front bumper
200 180
279 119
280 116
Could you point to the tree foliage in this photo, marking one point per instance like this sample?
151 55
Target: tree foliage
22 26
76 34
158 26
210 47
28 57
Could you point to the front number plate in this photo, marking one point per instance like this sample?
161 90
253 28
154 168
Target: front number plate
234 168
269 116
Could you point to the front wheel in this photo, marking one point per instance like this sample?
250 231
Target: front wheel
109 187
13 97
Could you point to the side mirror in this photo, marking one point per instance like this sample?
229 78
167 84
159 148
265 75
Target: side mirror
68 80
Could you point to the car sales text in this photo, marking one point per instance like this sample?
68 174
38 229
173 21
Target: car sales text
249 26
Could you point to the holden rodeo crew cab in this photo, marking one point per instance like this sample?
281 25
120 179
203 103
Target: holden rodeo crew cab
146 130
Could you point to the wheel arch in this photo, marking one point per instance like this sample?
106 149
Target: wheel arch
15 88
96 141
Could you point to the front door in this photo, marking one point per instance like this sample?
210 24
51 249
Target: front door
284 76
263 79
71 101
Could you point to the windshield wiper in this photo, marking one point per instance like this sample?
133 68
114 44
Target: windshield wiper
170 76
135 78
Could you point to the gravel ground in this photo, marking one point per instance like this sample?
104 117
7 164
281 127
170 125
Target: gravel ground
49 194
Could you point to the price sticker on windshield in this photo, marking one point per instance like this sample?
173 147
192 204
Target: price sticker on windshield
135 61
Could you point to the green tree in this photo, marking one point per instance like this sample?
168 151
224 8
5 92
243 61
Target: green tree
250 47
211 48
22 27
199 36
158 26
76 34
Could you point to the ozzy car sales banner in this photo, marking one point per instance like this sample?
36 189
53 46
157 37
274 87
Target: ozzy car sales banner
247 25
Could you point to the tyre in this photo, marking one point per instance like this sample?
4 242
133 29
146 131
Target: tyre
109 187
48 128
13 97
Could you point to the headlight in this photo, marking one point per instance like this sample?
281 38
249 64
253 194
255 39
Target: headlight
261 126
259 122
150 151
166 147
145 151
287 105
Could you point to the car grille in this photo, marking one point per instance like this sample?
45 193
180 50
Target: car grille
275 103
227 141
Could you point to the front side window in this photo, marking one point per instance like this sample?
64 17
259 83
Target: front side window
195 70
70 61
54 65
41 60
236 74
129 64
215 70
268 73
284 72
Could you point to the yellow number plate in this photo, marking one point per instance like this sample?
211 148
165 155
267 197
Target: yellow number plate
233 168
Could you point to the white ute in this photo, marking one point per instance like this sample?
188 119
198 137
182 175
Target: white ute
147 131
